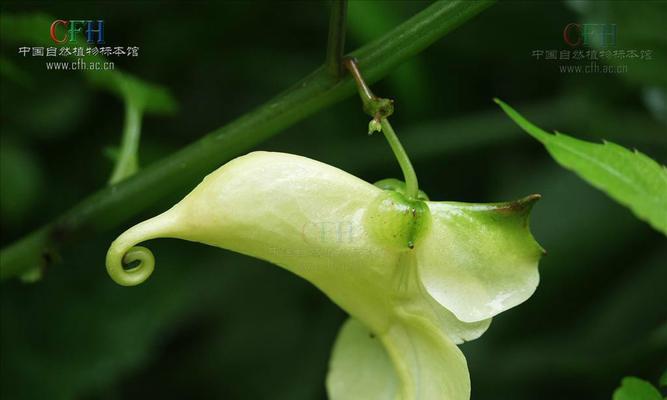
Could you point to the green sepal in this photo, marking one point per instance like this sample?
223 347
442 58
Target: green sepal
398 186
396 221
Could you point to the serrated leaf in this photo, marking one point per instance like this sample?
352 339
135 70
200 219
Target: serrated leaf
636 389
629 177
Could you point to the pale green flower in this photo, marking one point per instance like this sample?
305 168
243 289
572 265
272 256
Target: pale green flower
417 276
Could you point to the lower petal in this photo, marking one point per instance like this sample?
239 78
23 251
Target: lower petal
360 368
413 360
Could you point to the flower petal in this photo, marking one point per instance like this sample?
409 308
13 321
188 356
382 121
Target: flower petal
295 212
479 259
457 330
413 299
300 214
429 365
360 368
413 352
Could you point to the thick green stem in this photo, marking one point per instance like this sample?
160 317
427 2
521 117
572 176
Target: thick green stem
336 42
128 163
114 205
411 184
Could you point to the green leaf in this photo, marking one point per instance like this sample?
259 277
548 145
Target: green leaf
636 389
631 178
663 379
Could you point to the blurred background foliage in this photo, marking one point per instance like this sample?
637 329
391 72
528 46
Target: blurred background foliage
213 324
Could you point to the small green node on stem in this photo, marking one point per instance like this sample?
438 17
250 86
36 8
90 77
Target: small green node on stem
380 109
374 106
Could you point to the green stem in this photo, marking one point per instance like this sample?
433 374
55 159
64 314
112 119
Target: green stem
114 205
336 42
128 164
411 184
366 94
380 109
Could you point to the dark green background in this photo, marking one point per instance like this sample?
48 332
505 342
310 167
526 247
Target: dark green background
213 324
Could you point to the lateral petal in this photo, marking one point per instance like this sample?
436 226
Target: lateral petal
479 259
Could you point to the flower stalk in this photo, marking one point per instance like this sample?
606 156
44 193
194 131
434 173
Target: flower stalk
380 109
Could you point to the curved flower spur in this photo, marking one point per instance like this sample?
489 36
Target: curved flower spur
416 276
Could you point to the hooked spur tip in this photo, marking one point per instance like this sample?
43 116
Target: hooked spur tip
117 257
